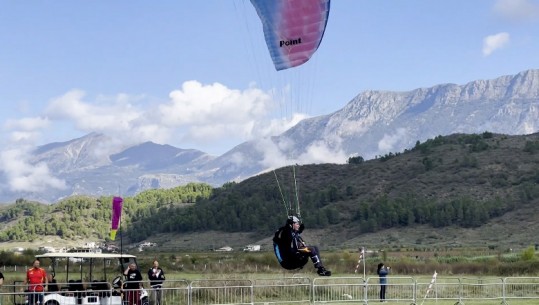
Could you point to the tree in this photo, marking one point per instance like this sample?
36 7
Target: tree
356 160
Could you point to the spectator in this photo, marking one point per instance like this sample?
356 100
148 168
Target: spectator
53 286
133 284
36 279
382 273
1 283
156 276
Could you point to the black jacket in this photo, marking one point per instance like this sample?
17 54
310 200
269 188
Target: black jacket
156 278
289 241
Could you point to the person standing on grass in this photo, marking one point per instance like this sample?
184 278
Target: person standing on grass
383 271
36 279
1 283
133 284
156 275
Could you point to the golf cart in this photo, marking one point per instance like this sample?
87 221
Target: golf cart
86 278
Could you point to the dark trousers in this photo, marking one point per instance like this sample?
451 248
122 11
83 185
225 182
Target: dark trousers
157 295
294 261
382 291
35 298
314 254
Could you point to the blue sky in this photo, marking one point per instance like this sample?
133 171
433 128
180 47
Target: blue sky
197 74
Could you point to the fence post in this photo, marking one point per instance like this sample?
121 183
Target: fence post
504 282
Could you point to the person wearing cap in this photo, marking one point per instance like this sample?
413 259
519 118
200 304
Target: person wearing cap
291 250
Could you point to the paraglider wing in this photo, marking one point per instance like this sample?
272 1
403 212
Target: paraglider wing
293 29
116 216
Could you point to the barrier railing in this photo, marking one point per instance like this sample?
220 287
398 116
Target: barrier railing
515 288
338 290
481 289
290 290
205 292
444 289
397 289
298 291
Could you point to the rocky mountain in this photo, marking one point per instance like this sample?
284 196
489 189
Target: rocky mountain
372 124
94 165
378 122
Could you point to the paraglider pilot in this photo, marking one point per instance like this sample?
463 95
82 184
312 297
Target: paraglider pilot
291 250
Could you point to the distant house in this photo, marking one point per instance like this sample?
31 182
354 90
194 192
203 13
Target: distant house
47 249
146 245
224 249
251 248
111 248
90 245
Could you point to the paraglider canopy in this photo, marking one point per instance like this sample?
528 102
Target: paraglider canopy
293 29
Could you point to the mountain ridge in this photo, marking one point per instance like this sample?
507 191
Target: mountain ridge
372 124
482 186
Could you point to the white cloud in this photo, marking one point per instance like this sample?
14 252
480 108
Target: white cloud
321 152
272 155
518 10
213 113
493 42
23 176
264 128
27 124
115 116
19 138
25 130
194 115
390 142
275 154
197 104
15 163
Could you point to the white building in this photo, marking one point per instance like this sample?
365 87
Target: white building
224 249
251 248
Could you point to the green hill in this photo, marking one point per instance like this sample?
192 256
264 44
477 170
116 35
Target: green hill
458 190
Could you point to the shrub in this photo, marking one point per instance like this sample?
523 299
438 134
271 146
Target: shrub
528 254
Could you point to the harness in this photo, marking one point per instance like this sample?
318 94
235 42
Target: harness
283 251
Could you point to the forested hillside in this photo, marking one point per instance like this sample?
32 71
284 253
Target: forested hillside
459 180
88 217
462 180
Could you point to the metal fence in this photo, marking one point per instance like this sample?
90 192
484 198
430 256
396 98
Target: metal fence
303 290
289 290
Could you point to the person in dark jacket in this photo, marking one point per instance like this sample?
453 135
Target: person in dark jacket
53 285
291 250
133 284
156 275
383 271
